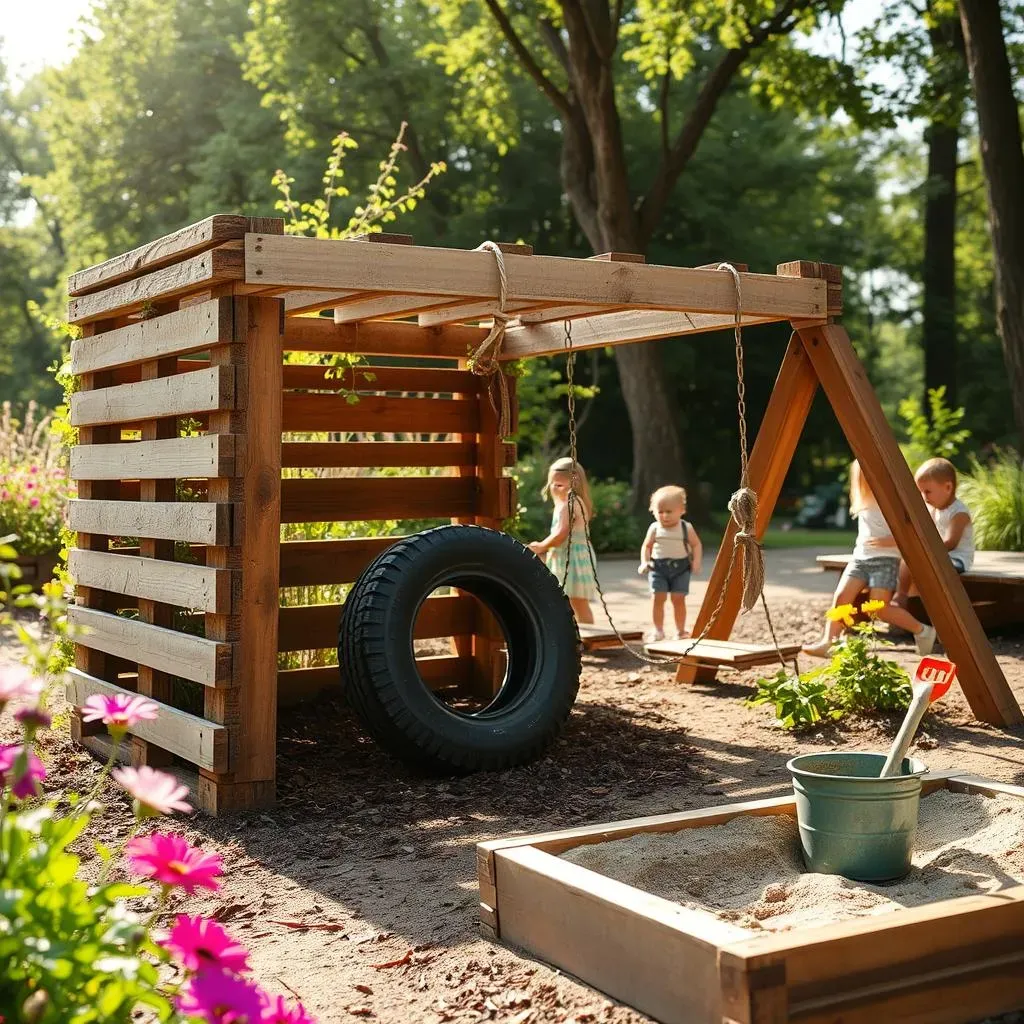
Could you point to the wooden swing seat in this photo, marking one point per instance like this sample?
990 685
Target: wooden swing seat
722 653
603 638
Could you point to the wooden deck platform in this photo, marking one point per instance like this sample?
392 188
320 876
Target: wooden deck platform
995 586
723 653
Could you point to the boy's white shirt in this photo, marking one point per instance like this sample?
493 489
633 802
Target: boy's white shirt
943 517
667 541
871 525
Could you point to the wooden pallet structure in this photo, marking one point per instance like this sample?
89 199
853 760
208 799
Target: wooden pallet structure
949 962
208 421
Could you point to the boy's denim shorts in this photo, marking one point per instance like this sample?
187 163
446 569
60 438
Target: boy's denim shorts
669 576
879 573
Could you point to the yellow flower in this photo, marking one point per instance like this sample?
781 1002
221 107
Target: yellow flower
841 613
872 606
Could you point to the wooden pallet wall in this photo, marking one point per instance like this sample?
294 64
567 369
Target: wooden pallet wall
402 442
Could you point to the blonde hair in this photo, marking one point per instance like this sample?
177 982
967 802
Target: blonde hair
940 470
577 483
861 496
668 493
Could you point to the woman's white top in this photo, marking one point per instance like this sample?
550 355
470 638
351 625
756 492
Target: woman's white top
964 551
871 525
670 541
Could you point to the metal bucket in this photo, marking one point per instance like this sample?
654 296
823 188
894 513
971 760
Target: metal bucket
852 822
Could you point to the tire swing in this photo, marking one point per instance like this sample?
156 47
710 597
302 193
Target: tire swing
383 684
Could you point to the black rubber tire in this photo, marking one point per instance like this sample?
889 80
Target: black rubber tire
383 686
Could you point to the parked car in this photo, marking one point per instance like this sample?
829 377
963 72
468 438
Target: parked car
825 508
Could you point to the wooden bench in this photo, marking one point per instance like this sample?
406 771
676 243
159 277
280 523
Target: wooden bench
995 586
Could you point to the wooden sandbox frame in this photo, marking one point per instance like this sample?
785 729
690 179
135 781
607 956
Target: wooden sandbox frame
185 411
950 962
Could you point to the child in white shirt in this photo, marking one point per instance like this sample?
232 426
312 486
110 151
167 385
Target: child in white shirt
875 565
670 553
936 480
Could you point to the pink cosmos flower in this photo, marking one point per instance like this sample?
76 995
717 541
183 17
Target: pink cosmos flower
168 859
27 783
17 681
119 710
277 1011
154 792
199 943
33 503
29 486
221 998
33 718
33 469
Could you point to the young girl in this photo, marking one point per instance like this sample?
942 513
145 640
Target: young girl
875 563
580 585
670 552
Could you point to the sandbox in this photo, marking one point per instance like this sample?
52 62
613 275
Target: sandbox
706 916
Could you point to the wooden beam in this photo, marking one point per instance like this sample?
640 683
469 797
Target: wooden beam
860 415
181 394
193 329
384 454
372 379
563 313
343 499
177 583
204 270
297 303
547 339
207 455
306 413
191 522
317 562
477 310
770 458
377 338
203 743
319 263
167 650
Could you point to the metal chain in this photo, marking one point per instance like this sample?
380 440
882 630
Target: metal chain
574 500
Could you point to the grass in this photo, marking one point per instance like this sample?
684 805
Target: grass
777 539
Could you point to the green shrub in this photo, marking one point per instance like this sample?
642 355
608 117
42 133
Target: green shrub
934 434
994 492
856 679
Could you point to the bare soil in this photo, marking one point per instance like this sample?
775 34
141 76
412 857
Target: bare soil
358 891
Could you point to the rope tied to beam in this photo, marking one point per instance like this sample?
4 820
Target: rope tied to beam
484 362
743 502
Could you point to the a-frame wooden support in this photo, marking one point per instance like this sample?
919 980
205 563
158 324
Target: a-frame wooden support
822 354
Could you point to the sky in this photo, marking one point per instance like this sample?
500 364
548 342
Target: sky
36 33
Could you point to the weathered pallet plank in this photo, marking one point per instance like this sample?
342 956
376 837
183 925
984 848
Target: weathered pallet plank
167 650
209 455
182 394
192 329
371 378
191 522
208 268
385 454
203 743
152 579
172 248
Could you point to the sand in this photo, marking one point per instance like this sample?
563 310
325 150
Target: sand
749 871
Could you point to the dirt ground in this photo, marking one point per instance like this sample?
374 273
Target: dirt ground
358 891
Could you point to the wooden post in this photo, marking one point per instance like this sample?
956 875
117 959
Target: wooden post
249 707
861 417
770 458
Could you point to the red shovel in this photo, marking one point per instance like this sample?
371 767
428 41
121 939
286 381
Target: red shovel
934 676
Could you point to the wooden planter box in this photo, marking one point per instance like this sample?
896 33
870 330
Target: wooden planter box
951 962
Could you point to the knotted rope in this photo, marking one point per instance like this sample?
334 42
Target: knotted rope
484 361
743 502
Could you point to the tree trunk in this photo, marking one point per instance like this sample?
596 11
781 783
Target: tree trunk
1002 157
939 270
